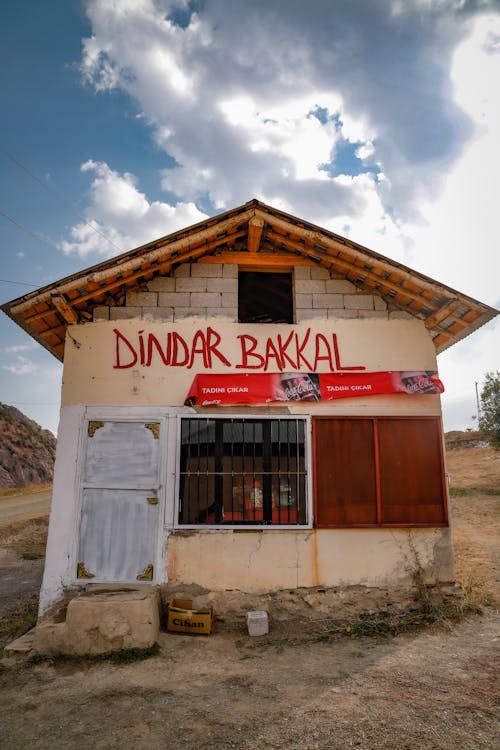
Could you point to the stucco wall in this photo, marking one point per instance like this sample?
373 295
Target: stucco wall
256 561
98 383
249 560
91 376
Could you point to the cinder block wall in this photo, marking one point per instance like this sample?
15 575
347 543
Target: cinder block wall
319 296
211 291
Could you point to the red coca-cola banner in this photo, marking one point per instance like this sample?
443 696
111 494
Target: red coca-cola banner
262 388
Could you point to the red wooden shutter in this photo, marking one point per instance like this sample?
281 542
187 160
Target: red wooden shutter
345 484
411 471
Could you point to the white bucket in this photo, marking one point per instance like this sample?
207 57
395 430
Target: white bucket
257 623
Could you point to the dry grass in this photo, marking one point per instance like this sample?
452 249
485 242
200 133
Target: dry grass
19 620
31 489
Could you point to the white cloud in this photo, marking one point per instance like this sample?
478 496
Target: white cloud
287 130
253 99
121 213
20 347
22 366
233 109
257 114
458 243
229 96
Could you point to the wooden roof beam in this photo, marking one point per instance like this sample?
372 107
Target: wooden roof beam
64 309
184 245
317 238
433 320
442 338
255 227
165 265
349 268
133 276
259 259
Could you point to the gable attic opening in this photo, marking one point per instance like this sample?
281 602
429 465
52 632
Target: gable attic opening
265 297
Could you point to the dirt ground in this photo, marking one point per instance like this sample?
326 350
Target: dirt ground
306 685
24 504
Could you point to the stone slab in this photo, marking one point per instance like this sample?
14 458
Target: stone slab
21 646
102 622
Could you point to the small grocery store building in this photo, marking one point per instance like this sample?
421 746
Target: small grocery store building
251 403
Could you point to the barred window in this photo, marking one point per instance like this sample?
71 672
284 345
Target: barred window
240 471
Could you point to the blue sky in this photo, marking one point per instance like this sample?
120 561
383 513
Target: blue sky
378 119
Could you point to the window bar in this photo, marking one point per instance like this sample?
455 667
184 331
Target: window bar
282 460
182 478
253 494
203 426
298 425
210 476
206 481
267 500
301 466
279 468
258 497
192 468
291 493
243 464
191 461
219 468
293 489
197 456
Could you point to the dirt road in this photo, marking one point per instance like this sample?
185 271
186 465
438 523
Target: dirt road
23 506
23 534
429 692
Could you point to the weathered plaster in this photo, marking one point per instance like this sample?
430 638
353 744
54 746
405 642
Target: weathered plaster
250 560
90 376
255 561
59 573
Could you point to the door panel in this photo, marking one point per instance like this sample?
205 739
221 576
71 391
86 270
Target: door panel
411 471
122 454
119 518
118 534
346 491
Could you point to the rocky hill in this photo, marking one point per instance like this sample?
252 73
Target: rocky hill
27 451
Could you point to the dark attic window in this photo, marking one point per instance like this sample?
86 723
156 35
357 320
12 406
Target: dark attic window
265 297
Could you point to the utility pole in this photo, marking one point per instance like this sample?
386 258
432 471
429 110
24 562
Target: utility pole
478 405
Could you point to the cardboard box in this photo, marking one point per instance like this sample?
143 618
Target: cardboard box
182 618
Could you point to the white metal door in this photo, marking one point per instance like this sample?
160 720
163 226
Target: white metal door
118 530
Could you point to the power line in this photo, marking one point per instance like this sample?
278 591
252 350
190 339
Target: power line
20 283
35 236
60 197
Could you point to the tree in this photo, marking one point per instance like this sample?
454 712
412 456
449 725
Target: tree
490 408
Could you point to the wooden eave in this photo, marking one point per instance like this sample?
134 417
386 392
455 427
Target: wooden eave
258 236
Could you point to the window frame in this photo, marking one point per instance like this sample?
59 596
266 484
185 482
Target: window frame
242 527
379 524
